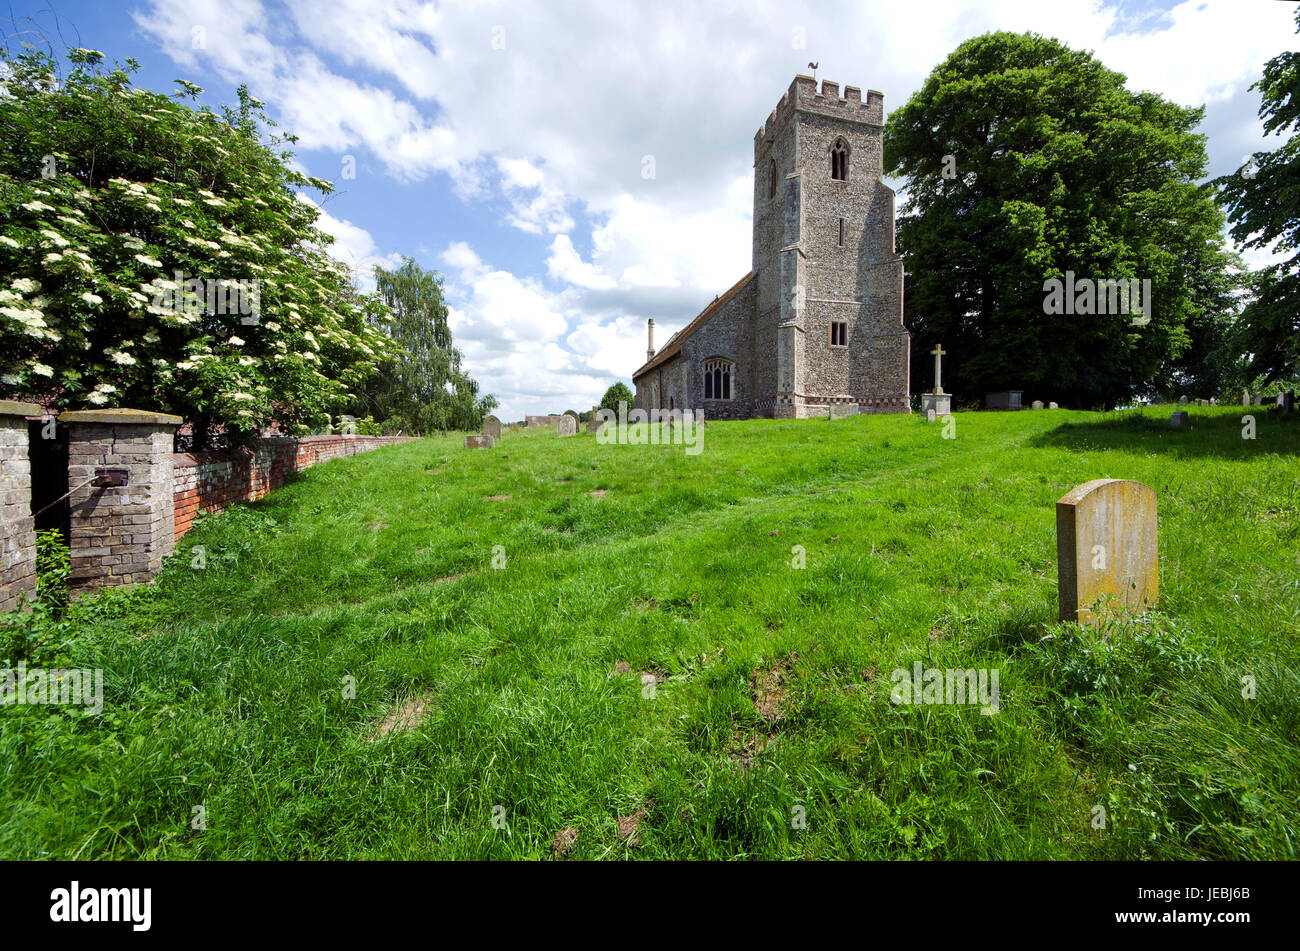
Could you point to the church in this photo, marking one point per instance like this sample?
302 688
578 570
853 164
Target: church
818 320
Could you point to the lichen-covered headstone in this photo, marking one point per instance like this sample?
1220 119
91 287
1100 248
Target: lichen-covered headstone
593 420
1107 545
479 441
567 425
492 427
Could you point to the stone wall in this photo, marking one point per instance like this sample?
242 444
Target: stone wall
211 481
18 556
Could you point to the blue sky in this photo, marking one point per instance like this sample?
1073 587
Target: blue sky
507 144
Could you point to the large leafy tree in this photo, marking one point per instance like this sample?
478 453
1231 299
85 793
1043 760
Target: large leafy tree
1263 201
123 215
618 393
422 388
1052 166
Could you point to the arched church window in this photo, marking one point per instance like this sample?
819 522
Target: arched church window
717 379
771 178
840 161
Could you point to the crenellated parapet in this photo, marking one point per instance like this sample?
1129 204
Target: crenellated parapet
804 96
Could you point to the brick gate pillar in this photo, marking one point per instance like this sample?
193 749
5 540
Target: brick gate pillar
122 521
18 555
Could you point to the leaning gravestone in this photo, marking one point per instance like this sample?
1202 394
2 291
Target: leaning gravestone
567 425
479 441
843 410
1179 419
1107 544
492 427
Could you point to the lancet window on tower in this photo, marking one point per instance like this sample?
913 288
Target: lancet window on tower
771 178
840 161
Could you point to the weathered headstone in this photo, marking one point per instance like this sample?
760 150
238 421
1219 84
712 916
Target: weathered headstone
1259 399
1288 401
567 425
1280 401
1179 419
843 410
1106 544
479 441
1182 401
931 415
593 420
1053 405
1005 399
1245 397
1037 404
492 427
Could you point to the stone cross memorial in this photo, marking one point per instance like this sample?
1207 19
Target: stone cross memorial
1106 545
492 427
938 400
567 425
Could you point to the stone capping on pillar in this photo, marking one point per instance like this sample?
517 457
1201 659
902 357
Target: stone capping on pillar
18 555
119 534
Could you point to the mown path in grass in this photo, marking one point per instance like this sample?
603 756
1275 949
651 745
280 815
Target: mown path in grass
754 716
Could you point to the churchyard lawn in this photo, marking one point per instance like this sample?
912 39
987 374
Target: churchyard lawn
426 652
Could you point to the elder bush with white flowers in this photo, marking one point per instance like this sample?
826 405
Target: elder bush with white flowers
108 195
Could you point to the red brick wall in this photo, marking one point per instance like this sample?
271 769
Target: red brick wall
212 481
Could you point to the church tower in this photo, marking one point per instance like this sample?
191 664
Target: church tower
829 314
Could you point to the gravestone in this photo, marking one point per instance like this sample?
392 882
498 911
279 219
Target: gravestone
1053 405
843 410
1245 397
937 400
1106 544
593 420
567 425
931 415
492 427
1259 399
1005 399
1037 404
1182 401
1288 401
1179 419
479 441
1281 399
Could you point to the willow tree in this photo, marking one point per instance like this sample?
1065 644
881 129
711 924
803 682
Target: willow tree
421 388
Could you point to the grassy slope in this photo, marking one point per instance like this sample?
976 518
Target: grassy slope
918 548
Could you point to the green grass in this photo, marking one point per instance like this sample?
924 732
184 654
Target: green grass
225 687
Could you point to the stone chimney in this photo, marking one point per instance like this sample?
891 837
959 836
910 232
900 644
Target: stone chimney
650 348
